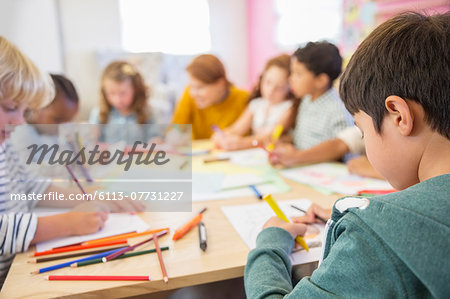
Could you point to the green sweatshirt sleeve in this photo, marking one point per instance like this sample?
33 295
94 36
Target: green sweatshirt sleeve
357 266
268 271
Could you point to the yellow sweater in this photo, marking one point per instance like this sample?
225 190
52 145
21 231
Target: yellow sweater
222 114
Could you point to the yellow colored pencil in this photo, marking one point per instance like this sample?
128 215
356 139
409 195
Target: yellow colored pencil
275 136
273 204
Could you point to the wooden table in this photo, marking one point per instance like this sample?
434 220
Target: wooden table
186 264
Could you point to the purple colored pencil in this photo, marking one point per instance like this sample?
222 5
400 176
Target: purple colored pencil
129 248
75 178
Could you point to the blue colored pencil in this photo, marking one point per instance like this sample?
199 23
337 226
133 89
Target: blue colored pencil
257 193
67 264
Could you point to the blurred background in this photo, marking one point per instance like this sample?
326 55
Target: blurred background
79 38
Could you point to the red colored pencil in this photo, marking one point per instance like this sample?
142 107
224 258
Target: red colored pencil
78 247
98 277
376 192
129 248
160 258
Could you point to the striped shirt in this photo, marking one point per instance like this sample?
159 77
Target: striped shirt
320 120
17 223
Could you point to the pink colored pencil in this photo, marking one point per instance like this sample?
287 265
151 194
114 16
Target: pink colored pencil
129 248
160 258
98 277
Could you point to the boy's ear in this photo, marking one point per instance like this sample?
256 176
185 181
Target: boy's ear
322 81
400 114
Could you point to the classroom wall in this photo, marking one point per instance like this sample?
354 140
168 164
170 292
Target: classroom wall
88 26
99 31
92 26
33 27
261 22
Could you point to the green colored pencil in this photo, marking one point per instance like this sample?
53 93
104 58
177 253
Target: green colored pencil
99 260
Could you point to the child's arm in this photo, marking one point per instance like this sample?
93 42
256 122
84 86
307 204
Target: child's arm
351 269
242 125
232 138
288 155
269 270
68 224
361 166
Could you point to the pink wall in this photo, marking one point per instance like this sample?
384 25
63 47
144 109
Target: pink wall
261 23
262 18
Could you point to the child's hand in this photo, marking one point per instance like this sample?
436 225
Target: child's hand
311 215
361 166
226 141
284 154
295 229
125 205
83 223
113 206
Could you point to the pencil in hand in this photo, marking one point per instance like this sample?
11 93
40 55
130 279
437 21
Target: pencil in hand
273 204
317 216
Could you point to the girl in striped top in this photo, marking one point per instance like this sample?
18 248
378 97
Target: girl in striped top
23 86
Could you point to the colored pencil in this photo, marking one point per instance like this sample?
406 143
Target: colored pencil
123 256
376 192
129 248
65 256
273 204
83 168
275 136
215 159
301 210
188 226
184 164
78 247
75 178
160 258
67 264
216 129
257 193
125 236
97 277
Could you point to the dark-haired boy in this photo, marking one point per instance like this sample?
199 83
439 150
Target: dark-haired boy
321 114
396 245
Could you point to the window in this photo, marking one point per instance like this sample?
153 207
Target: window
168 26
300 21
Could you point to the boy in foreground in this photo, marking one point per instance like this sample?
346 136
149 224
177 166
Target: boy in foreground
396 245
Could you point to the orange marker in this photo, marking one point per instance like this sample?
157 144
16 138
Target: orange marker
188 226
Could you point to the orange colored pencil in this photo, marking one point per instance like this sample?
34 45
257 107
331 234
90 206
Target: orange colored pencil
187 227
124 236
78 247
160 258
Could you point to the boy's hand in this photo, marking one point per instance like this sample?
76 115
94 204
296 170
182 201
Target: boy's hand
312 213
83 223
295 229
284 154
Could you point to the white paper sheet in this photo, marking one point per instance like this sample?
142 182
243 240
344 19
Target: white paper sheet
334 177
210 186
115 225
248 221
250 157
